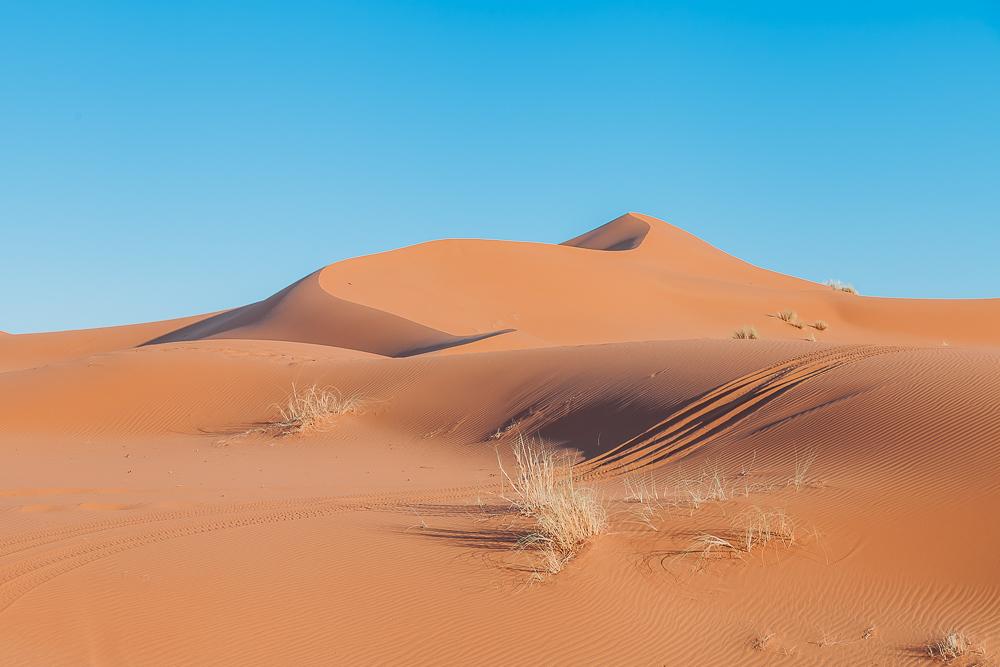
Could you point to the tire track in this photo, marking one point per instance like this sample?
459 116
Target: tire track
27 541
19 578
718 411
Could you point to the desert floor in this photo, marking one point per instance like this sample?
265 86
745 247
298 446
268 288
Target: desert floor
152 513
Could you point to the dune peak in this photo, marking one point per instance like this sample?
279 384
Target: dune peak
625 232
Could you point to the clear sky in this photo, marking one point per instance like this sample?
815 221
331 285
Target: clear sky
159 159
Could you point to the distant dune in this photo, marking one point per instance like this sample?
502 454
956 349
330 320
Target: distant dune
647 280
151 516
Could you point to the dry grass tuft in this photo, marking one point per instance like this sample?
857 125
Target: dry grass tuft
746 333
951 646
820 325
644 493
536 478
750 530
315 403
708 543
565 524
711 486
841 287
312 409
566 516
760 642
788 316
801 479
715 485
757 527
641 490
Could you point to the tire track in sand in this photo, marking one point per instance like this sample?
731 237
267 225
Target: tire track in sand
715 412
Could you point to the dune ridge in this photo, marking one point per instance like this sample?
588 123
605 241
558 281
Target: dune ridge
303 312
667 285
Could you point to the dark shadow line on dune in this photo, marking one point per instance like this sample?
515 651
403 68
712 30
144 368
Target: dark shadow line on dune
801 413
461 340
491 539
411 338
655 440
224 321
439 510
656 443
627 232
493 543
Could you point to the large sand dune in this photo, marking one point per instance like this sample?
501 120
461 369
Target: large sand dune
148 519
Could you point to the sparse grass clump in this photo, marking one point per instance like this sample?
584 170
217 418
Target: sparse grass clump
841 287
746 333
568 521
951 646
711 486
714 485
800 478
788 316
757 527
641 490
760 642
535 480
566 516
312 409
750 530
820 325
709 543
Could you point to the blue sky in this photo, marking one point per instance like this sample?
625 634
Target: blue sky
159 159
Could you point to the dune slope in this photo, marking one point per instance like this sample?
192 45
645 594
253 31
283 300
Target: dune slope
304 312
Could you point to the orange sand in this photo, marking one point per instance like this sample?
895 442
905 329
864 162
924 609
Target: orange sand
140 526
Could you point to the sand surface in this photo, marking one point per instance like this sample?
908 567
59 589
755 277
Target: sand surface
147 518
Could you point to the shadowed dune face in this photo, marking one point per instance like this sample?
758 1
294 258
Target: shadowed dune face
149 519
305 313
624 233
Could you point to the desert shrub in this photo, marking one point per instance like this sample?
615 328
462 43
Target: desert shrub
788 316
950 646
311 409
841 287
566 516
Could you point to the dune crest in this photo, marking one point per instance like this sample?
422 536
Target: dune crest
640 279
304 313
623 233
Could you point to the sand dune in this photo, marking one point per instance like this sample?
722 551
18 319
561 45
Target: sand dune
624 233
666 284
30 350
304 312
148 520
